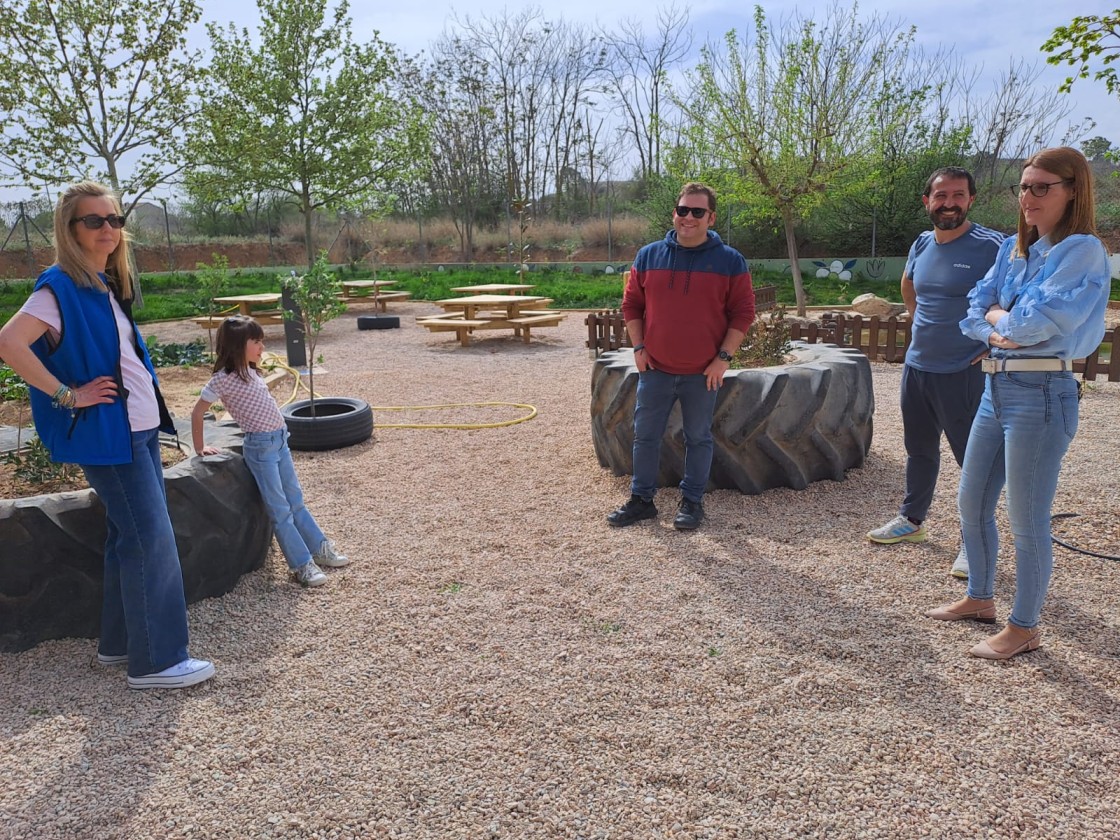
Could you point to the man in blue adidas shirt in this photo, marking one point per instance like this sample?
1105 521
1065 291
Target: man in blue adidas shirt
941 382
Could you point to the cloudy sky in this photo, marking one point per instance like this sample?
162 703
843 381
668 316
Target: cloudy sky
988 35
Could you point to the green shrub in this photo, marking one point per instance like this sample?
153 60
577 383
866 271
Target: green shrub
182 355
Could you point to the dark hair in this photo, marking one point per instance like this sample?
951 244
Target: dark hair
1080 216
235 332
696 188
951 173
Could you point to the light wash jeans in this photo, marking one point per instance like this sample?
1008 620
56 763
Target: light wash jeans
657 391
1022 430
270 461
143 609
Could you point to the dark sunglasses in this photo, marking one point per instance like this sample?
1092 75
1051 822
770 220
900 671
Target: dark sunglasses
94 222
697 212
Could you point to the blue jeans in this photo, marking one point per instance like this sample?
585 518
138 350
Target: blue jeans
270 461
143 609
657 391
932 404
1022 430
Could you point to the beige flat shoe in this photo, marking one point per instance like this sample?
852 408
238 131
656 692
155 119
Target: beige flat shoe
985 651
965 608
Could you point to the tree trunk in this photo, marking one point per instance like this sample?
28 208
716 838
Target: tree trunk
794 263
309 245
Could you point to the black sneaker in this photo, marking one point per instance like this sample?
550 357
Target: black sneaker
633 511
689 515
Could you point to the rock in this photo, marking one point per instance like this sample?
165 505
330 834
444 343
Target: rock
51 566
869 305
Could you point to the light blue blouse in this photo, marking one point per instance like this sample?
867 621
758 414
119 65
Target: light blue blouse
1055 298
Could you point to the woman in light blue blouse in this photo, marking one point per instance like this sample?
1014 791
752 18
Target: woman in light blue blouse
1039 307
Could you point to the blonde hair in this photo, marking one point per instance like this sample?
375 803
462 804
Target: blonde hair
68 253
1080 215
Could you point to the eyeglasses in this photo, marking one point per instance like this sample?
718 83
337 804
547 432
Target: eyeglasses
1040 189
697 212
94 222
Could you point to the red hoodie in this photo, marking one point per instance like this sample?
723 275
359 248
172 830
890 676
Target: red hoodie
687 299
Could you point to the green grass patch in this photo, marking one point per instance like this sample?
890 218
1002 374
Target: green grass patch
169 295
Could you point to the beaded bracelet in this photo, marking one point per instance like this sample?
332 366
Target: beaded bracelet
64 397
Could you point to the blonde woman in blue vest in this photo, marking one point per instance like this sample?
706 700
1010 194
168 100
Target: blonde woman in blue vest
96 403
1038 308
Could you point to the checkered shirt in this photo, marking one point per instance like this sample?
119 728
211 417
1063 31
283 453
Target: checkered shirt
250 403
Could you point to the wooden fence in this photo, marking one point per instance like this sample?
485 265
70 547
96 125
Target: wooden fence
606 330
881 340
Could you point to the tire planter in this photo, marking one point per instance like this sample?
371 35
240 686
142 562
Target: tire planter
378 322
783 426
52 562
338 422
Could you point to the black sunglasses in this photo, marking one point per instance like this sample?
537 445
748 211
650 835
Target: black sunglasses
697 212
94 222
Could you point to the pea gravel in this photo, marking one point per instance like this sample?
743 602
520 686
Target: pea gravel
498 663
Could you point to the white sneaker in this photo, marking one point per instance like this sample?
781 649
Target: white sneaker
109 659
187 672
328 556
899 529
309 575
960 565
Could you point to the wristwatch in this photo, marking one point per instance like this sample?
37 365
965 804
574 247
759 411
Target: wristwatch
724 356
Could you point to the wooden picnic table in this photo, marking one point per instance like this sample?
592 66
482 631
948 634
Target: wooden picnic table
249 306
371 291
360 288
495 288
463 315
509 306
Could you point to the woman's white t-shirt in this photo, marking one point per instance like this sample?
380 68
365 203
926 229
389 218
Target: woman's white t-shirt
143 410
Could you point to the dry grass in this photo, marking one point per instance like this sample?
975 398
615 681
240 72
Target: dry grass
404 235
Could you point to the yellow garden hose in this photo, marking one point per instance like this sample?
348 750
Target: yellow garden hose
271 361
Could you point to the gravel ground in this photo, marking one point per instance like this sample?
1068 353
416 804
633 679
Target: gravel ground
497 662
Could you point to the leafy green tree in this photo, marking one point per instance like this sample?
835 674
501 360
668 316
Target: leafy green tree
211 281
783 119
1098 148
306 113
1087 40
316 293
86 84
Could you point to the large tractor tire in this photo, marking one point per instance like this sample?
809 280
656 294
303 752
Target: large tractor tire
52 558
783 426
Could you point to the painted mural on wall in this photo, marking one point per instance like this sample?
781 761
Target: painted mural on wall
886 269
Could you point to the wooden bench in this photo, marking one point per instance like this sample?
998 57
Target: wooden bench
523 324
460 326
369 297
551 319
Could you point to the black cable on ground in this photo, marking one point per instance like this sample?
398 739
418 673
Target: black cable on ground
1064 544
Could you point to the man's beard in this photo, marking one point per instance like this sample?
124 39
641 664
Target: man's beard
948 222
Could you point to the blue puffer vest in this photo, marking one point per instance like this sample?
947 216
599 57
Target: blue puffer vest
87 348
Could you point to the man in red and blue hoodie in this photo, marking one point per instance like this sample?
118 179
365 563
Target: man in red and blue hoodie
688 306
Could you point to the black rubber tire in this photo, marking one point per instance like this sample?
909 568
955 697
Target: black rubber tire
378 322
52 562
338 422
781 426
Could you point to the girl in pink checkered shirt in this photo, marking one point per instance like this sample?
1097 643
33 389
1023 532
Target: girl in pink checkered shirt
238 385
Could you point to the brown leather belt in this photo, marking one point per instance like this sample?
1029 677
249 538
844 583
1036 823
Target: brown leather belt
990 365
